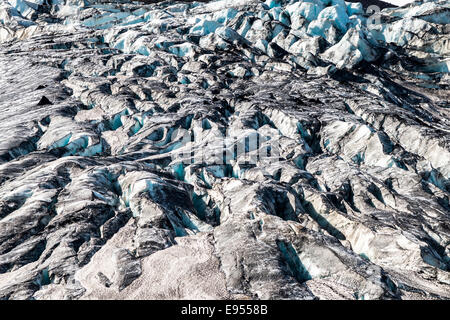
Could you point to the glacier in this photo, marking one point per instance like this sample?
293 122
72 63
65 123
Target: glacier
243 149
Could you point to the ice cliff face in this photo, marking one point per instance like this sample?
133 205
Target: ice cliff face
227 149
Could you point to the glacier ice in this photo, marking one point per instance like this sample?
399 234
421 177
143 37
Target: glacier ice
259 149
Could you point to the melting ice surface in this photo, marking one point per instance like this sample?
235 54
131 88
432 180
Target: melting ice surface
349 40
328 19
362 159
